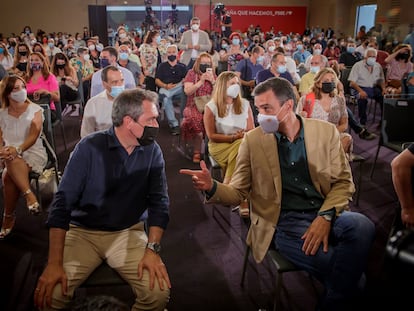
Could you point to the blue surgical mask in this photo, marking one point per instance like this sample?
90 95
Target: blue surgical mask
260 59
317 52
116 90
281 69
235 41
1 50
123 56
371 61
314 69
158 39
299 46
224 46
51 45
350 49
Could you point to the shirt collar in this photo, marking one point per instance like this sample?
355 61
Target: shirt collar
301 135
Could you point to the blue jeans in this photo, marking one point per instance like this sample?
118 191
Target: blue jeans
353 123
167 103
341 268
372 92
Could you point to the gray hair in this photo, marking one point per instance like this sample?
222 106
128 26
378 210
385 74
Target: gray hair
370 50
129 103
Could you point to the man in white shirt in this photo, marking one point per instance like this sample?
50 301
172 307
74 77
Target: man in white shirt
193 42
109 56
98 110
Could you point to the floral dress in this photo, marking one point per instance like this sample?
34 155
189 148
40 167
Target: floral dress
192 123
233 60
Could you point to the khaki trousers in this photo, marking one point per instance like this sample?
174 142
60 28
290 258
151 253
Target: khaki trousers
84 251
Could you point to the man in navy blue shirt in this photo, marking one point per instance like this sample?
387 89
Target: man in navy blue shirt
169 77
113 181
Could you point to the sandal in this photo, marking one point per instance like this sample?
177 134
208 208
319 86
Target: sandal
196 157
34 208
6 231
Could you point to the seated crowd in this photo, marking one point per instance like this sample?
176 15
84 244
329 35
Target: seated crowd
226 88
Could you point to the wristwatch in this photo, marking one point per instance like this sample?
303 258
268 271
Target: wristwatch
19 151
328 217
155 247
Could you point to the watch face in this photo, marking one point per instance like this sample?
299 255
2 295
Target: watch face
154 247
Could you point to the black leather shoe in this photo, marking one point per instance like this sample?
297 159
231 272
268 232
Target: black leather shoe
367 135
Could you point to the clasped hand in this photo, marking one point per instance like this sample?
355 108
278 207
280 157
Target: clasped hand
8 153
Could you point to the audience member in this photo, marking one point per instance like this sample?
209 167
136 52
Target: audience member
21 148
367 81
83 64
324 103
67 78
399 66
348 58
226 23
301 53
277 69
125 62
150 58
40 81
227 118
52 49
6 59
402 178
197 83
112 178
94 54
235 54
97 115
316 64
306 217
193 42
169 78
109 56
21 58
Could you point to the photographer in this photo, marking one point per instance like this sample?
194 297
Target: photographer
226 23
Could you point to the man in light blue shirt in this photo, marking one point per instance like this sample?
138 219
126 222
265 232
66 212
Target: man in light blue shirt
109 56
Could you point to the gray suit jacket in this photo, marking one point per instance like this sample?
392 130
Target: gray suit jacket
186 39
258 177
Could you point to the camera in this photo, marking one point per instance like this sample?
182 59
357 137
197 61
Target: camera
219 9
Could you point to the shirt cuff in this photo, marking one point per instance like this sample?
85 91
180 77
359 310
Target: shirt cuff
210 193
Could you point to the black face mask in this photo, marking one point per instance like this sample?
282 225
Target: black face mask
328 87
403 56
203 67
172 58
149 135
23 53
60 66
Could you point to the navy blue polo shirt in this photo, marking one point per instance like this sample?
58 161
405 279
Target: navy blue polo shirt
171 74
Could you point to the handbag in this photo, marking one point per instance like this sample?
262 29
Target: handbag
201 101
47 183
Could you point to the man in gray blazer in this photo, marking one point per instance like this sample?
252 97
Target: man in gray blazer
193 42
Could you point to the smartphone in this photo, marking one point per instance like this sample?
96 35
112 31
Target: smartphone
209 70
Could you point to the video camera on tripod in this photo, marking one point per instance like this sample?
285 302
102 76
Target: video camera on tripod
219 10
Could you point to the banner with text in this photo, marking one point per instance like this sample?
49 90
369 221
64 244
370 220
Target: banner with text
282 18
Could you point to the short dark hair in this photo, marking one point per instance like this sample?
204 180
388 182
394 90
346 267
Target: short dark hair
281 87
104 73
112 51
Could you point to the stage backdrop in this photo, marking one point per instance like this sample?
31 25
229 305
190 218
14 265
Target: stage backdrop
283 18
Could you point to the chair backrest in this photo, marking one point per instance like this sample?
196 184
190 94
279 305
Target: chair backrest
344 79
43 99
47 125
397 122
80 87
